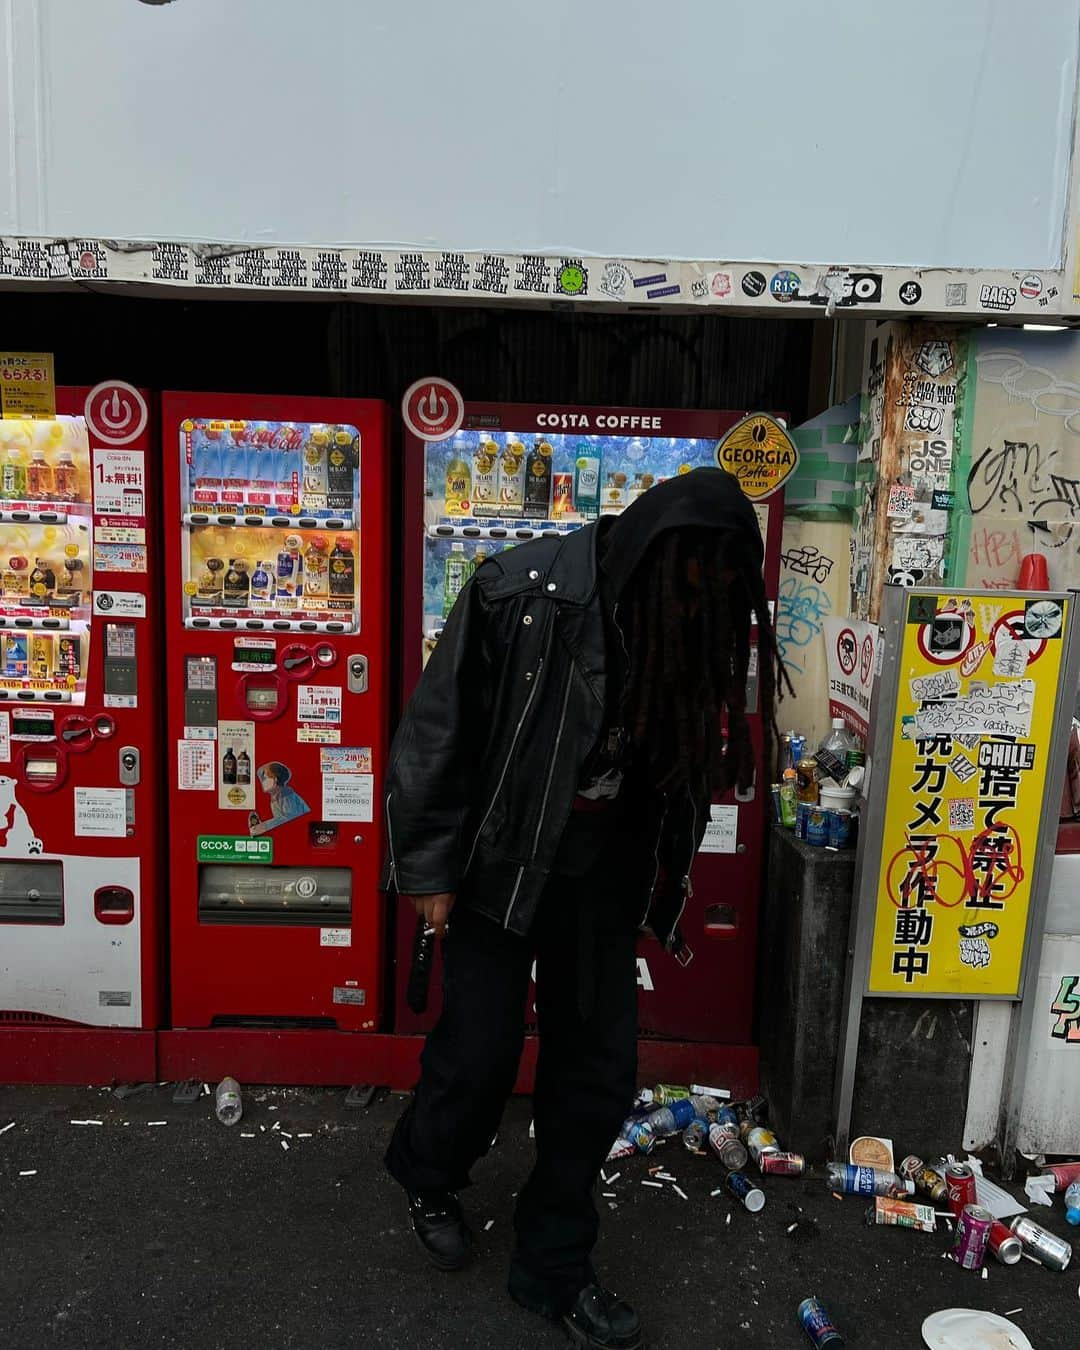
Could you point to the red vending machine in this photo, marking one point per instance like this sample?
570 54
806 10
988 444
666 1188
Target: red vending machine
277 651
517 471
81 825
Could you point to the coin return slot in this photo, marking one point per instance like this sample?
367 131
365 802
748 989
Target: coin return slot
261 698
302 897
31 892
42 768
721 921
114 904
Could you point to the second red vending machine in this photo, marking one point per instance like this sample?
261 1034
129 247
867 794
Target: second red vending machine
515 471
277 650
81 846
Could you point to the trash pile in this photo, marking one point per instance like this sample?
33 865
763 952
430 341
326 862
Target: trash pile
916 1195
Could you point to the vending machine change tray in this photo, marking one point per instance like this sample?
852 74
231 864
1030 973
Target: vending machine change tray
313 897
31 892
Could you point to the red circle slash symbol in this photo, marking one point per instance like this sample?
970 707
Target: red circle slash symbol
847 650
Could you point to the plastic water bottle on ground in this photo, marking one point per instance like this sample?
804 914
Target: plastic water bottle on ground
1072 1203
228 1103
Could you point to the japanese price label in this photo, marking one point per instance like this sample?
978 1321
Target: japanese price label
27 385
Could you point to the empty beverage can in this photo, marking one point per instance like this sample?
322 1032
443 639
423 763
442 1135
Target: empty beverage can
640 1134
782 1164
1005 1245
817 829
911 1167
960 1180
839 828
742 1188
818 1325
761 1141
725 1143
695 1135
972 1234
1054 1252
801 809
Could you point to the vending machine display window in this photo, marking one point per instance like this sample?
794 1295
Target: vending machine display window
46 578
31 892
300 897
271 537
486 491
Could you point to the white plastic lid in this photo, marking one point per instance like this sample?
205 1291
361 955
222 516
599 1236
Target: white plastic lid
838 724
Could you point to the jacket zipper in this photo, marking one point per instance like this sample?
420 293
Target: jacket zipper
544 799
656 869
509 757
687 884
390 840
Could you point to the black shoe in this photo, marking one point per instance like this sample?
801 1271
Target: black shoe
438 1222
595 1318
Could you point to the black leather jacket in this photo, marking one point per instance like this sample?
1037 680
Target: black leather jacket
489 754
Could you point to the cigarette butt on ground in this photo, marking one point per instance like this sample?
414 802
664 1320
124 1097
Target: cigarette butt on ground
489 1225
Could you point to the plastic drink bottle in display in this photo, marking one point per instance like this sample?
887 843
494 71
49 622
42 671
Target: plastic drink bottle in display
455 575
206 466
459 480
261 468
538 481
613 499
13 475
290 573
479 557
317 569
587 483
282 468
262 585
512 479
313 496
228 1103
42 579
16 579
65 478
235 460
342 570
341 464
485 478
39 478
237 590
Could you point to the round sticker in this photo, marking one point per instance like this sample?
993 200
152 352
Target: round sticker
760 453
1031 286
947 638
191 588
115 412
71 550
571 279
753 284
910 293
785 286
432 409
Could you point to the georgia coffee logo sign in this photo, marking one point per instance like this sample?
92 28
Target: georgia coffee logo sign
760 453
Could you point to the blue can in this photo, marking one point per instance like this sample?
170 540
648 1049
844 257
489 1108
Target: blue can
726 1116
801 809
640 1134
817 829
839 823
818 1325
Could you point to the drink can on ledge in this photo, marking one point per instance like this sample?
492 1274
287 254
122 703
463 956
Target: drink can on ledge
972 1234
960 1180
1054 1252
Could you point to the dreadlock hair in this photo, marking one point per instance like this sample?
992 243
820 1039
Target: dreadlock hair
691 602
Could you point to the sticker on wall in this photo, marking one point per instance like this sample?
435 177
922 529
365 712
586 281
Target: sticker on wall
101 812
195 766
27 385
760 453
233 848
721 832
281 802
432 408
236 758
335 937
5 737
346 759
119 483
16 833
120 604
348 796
318 703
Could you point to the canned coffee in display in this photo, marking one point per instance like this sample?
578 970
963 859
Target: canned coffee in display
1005 1245
782 1164
971 1236
818 1325
960 1180
1054 1252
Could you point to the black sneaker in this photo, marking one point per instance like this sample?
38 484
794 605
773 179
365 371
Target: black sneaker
438 1222
596 1318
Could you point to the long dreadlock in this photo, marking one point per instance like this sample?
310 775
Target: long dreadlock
691 602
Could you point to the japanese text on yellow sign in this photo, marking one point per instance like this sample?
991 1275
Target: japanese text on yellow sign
967 788
27 385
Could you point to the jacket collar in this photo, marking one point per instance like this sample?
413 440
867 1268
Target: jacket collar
574 570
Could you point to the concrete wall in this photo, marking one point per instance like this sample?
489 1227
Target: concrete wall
928 135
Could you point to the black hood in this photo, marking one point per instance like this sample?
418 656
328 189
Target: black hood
701 499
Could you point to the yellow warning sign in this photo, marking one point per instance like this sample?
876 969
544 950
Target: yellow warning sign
760 453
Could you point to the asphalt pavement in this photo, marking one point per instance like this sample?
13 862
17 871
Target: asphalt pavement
134 1233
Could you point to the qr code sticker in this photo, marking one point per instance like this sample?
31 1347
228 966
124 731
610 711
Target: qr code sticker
961 815
962 768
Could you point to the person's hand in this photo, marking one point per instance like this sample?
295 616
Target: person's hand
435 909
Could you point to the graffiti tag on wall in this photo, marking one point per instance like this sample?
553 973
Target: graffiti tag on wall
1066 1011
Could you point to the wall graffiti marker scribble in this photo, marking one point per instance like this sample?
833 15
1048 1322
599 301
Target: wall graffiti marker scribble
801 609
1023 382
808 561
1009 478
1066 1009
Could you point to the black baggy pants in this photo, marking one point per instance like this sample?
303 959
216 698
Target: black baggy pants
584 944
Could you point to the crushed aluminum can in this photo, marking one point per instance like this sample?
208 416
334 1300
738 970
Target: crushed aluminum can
782 1164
